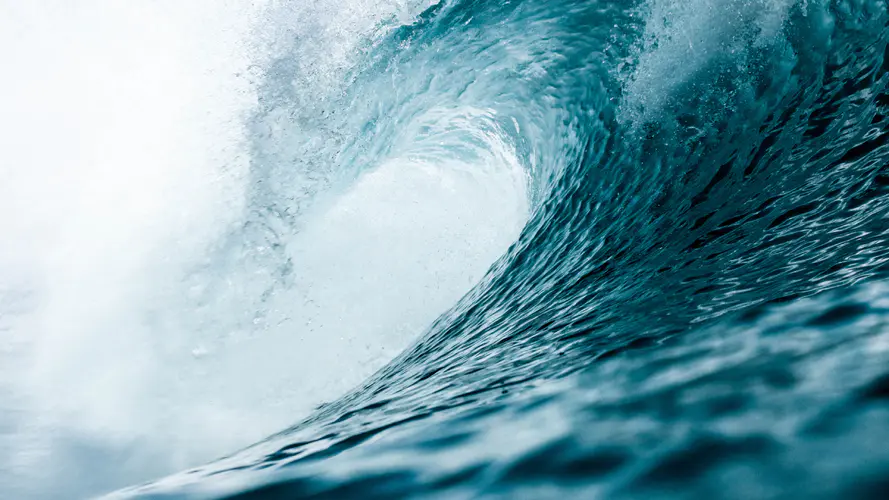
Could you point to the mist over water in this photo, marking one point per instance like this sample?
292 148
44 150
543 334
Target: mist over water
142 333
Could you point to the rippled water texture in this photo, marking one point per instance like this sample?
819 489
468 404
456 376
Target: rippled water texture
696 306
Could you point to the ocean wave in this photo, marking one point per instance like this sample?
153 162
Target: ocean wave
695 305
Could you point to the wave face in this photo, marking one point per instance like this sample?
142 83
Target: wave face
696 306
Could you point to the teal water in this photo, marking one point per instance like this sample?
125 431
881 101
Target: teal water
697 306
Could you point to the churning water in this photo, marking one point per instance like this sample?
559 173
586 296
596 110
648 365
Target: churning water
471 248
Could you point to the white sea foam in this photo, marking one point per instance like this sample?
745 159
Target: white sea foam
125 163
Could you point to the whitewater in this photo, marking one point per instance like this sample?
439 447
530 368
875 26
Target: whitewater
444 249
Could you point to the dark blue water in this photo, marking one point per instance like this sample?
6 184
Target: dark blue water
697 307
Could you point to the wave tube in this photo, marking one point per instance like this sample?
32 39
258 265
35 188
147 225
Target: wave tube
161 304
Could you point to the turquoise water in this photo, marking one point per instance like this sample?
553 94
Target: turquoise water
696 307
